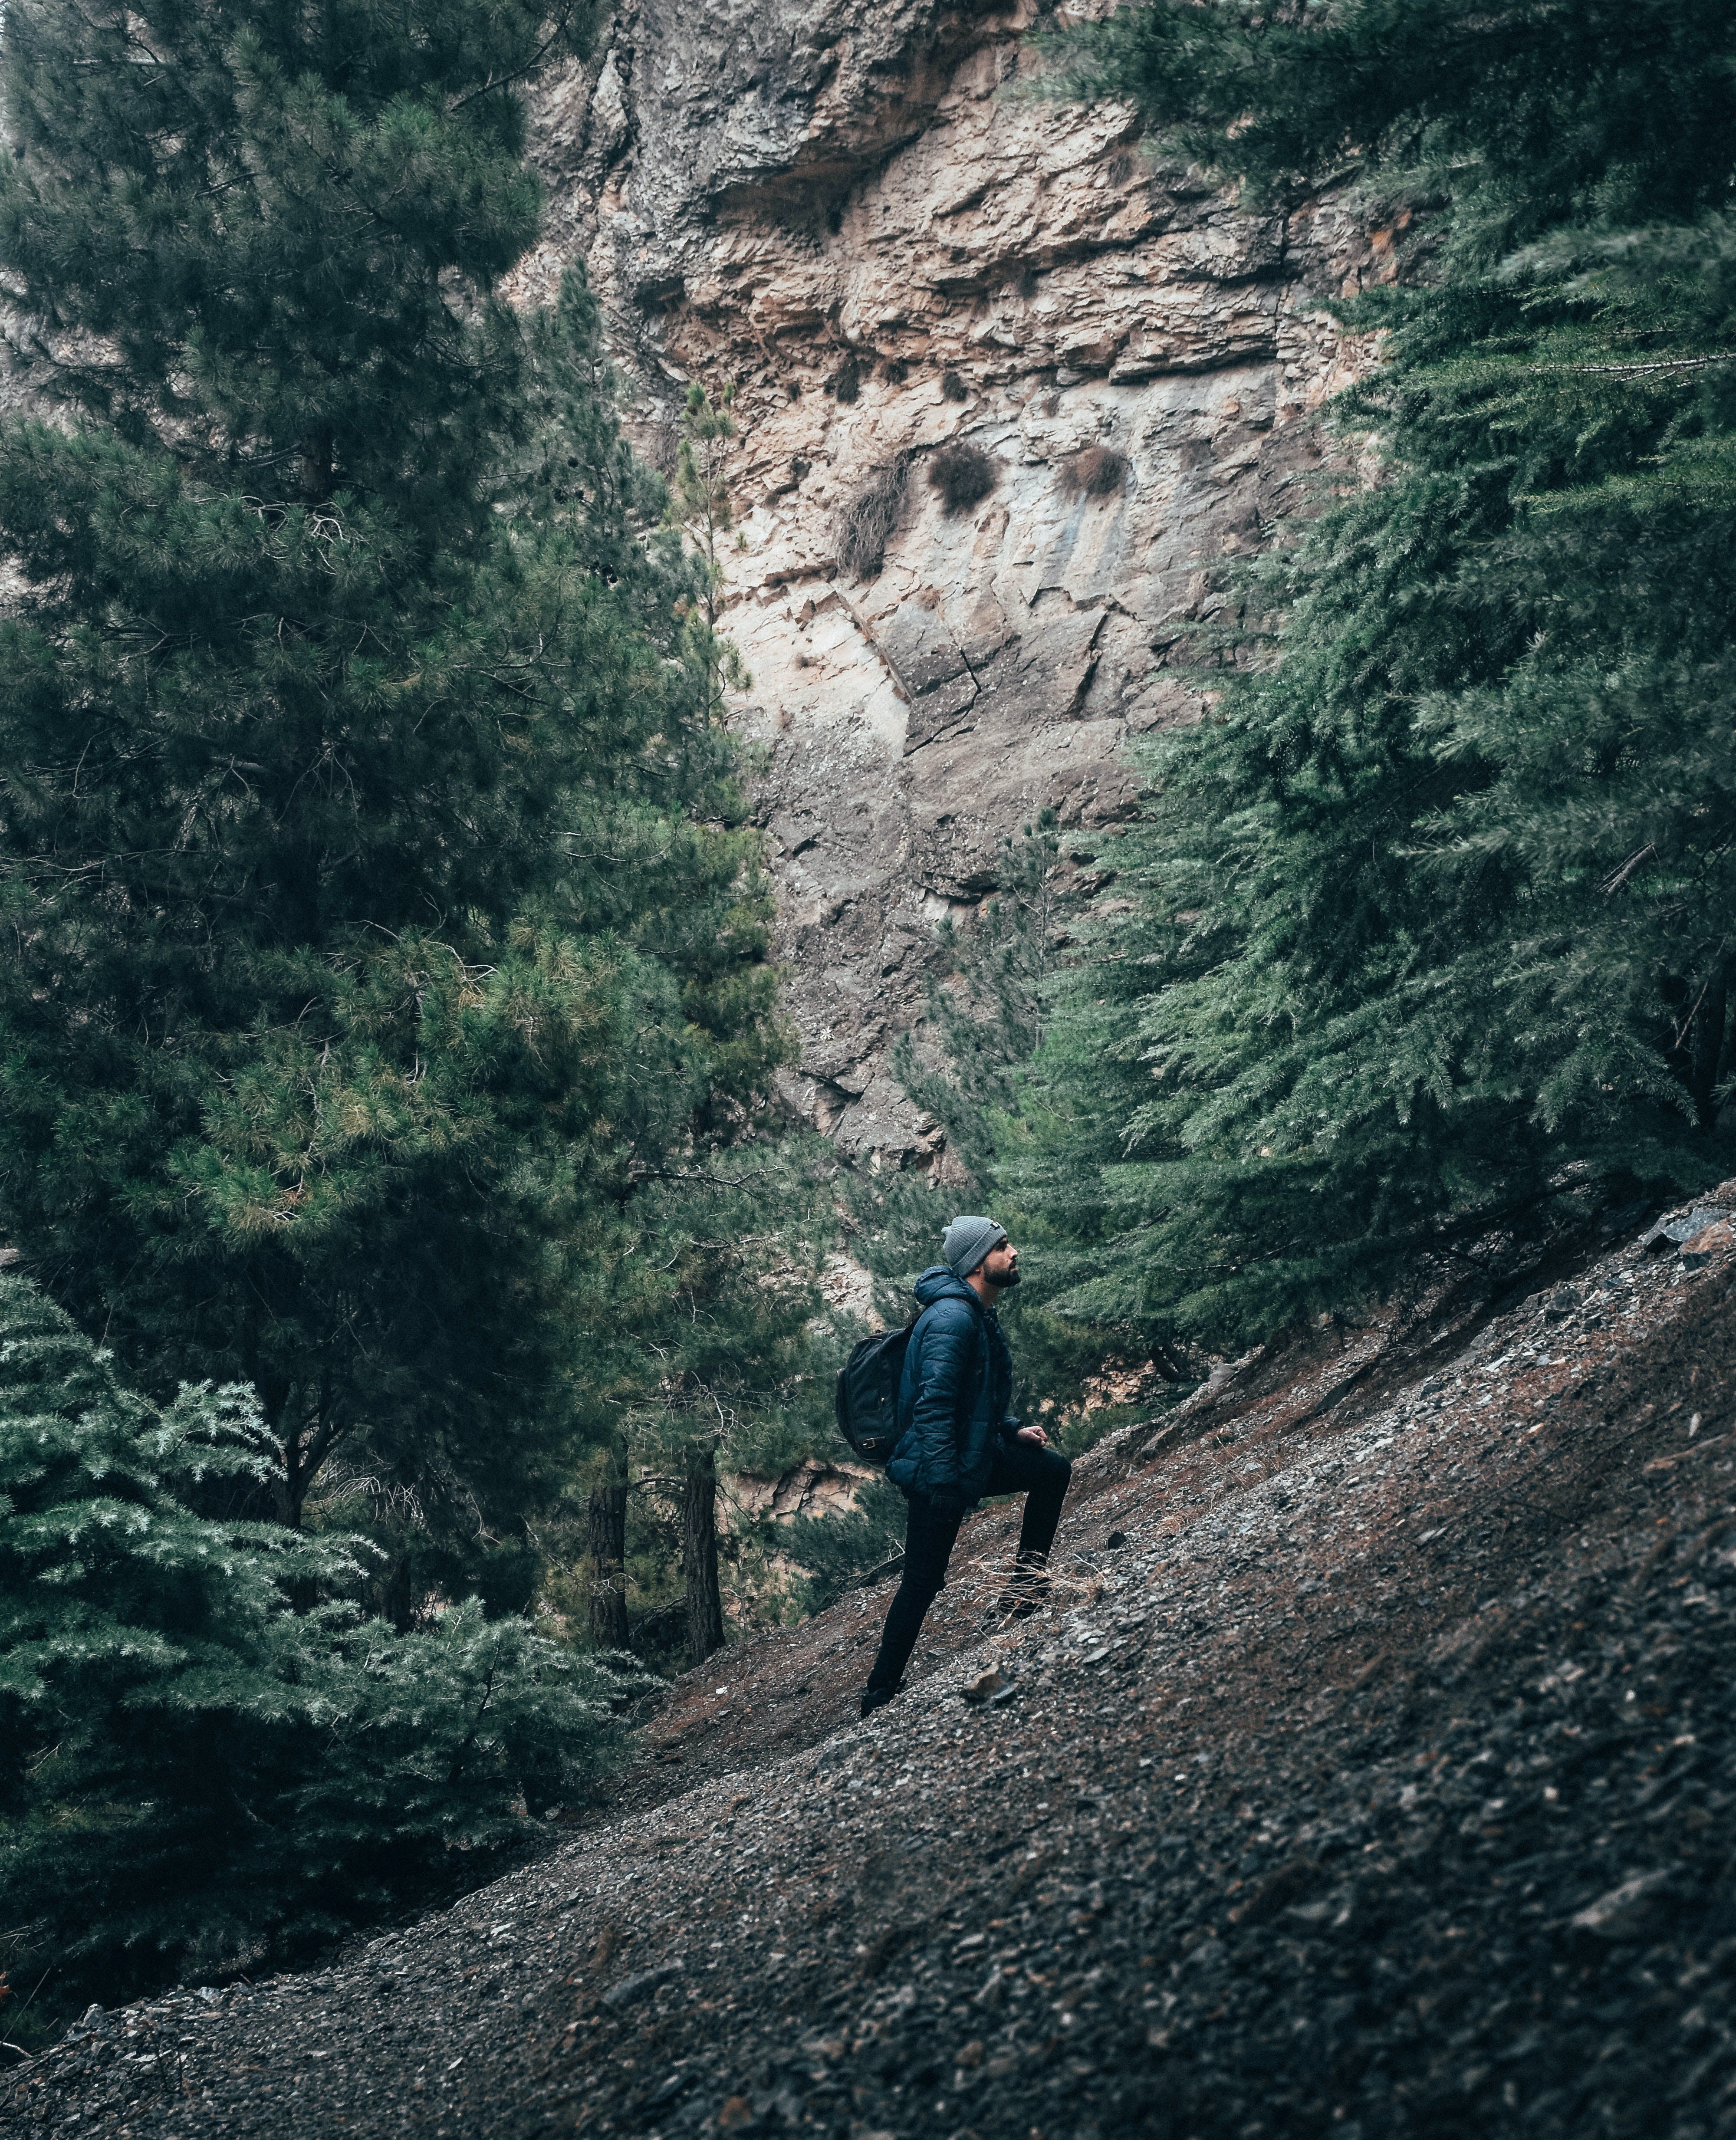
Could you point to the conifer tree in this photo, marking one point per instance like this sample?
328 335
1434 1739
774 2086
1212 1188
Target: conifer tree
196 1775
736 1360
1436 912
380 906
701 505
987 1003
992 991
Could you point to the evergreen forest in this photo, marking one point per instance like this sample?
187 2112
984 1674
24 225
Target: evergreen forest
1422 940
404 1246
386 993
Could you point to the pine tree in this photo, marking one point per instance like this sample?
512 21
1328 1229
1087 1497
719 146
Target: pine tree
701 505
995 983
381 908
1436 912
197 1776
987 999
737 1368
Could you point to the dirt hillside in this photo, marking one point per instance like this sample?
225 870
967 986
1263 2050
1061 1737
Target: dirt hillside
1370 1775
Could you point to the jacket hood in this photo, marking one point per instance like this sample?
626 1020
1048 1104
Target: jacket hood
937 1282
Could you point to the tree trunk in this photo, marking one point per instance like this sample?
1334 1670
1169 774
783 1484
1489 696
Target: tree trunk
699 1553
1706 1043
315 469
609 1557
303 1451
396 1601
289 1490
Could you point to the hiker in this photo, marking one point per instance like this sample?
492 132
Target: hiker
957 1441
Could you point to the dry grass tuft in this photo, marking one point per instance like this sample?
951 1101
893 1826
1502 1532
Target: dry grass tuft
662 447
1098 471
895 371
953 387
863 527
848 384
963 474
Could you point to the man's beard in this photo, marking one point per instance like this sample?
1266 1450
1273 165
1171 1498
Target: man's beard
1007 1283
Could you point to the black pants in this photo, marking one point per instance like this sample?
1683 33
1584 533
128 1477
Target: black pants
1020 1467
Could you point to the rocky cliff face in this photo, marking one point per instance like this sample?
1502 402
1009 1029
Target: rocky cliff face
856 211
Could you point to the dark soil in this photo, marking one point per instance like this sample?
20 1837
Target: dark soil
1372 1773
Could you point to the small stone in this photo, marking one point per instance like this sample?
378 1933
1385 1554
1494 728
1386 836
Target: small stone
1115 1539
1626 1912
985 1684
1671 1233
1561 1303
641 1980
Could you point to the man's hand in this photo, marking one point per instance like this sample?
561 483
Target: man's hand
1036 1436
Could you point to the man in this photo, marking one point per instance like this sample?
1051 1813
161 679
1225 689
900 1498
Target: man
958 1441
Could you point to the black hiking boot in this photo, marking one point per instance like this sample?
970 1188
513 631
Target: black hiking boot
1027 1589
877 1697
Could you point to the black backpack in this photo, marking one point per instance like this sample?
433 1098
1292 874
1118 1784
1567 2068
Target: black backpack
867 1391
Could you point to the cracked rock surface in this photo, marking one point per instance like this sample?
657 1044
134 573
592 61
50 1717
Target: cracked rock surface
849 210
1372 1772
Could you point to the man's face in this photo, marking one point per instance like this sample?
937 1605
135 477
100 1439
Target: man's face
1000 1266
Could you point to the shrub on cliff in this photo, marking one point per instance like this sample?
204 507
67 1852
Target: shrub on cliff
1094 471
196 1775
963 474
1436 912
865 521
379 911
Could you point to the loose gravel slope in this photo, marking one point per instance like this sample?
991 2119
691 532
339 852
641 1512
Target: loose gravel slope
1373 1773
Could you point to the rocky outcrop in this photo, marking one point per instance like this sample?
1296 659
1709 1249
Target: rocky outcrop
861 215
811 1488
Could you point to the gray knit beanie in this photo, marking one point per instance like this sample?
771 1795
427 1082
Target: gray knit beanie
966 1241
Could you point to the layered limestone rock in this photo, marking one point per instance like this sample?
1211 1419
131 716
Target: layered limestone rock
859 215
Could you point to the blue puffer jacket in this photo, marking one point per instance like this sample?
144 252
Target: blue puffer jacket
953 1398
